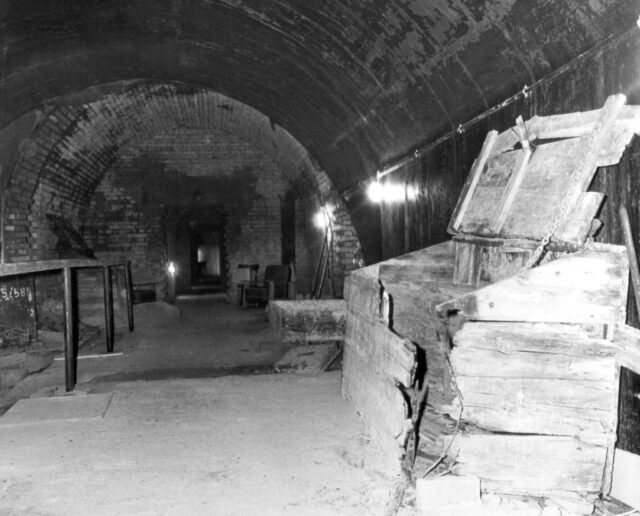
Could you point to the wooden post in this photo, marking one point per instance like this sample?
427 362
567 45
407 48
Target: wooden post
129 293
70 336
108 307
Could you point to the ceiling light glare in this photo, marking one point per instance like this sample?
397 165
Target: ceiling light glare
376 191
387 192
322 218
394 192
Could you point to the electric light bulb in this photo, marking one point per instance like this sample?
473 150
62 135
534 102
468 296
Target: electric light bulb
376 191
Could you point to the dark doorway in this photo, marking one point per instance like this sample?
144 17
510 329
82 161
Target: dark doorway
206 257
196 243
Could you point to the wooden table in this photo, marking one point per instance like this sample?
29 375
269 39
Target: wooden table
70 301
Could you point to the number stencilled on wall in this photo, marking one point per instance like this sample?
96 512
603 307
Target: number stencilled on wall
10 293
17 313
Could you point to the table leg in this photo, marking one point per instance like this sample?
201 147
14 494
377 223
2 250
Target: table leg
70 335
108 307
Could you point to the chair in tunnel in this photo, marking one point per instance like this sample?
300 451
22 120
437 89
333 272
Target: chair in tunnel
277 284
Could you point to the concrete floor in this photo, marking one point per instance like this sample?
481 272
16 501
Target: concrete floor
179 438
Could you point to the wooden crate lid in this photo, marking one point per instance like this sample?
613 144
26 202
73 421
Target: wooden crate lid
524 176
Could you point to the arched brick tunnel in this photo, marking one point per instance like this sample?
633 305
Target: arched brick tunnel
90 88
124 168
209 134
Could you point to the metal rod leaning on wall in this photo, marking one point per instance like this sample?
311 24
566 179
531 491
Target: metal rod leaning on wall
70 335
316 276
631 252
129 293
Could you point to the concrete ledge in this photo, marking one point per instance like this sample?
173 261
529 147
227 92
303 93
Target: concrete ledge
308 321
70 407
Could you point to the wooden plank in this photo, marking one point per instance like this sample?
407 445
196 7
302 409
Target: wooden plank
587 164
484 206
510 192
531 464
472 181
380 404
431 265
466 268
498 263
537 378
387 354
533 350
614 144
577 224
578 124
560 170
542 190
585 287
516 244
541 406
362 293
628 339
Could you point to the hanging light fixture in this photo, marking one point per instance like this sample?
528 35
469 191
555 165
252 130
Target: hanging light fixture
323 219
387 192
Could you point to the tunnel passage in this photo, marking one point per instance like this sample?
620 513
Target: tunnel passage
358 84
137 171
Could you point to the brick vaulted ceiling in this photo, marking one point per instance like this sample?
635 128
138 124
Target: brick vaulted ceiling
356 82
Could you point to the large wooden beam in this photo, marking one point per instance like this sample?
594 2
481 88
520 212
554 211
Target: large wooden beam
586 287
551 379
570 125
534 465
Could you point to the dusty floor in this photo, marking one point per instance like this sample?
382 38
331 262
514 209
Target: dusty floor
178 438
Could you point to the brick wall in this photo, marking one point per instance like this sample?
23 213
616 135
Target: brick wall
118 227
110 166
187 169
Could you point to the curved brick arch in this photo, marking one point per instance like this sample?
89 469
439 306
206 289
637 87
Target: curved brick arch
74 147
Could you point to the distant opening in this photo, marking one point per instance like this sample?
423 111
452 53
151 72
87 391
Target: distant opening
206 258
196 240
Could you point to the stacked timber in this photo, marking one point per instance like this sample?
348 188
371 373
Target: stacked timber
417 282
378 368
513 320
535 366
533 358
392 340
